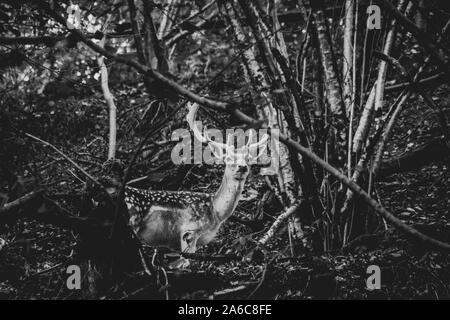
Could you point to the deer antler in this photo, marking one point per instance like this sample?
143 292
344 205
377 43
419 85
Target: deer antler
257 144
229 147
193 108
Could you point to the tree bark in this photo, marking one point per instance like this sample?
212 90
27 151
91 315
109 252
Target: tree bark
347 64
333 86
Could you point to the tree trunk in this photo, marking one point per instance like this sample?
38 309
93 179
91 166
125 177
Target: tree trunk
347 64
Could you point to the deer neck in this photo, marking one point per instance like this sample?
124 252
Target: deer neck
226 198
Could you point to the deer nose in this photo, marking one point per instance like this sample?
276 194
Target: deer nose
242 169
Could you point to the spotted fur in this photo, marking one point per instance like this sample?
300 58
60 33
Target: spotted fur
159 218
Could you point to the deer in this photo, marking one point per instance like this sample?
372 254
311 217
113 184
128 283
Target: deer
185 220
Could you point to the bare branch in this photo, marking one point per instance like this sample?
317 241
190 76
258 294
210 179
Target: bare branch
278 222
10 206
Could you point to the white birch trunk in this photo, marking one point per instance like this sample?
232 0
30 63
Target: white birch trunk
347 67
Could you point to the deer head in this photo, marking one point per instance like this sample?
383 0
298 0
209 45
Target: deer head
237 165
237 159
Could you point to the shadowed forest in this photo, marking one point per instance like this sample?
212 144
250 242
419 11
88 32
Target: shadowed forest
355 91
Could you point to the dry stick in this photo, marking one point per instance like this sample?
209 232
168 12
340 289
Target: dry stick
226 292
109 98
20 202
277 224
438 78
136 292
226 107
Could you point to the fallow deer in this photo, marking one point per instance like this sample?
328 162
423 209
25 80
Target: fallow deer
183 220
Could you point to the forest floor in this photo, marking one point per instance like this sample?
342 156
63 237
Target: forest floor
35 255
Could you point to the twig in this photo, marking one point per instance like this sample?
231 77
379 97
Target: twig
225 292
276 225
438 79
136 292
144 263
20 202
46 270
204 257
263 277
48 144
